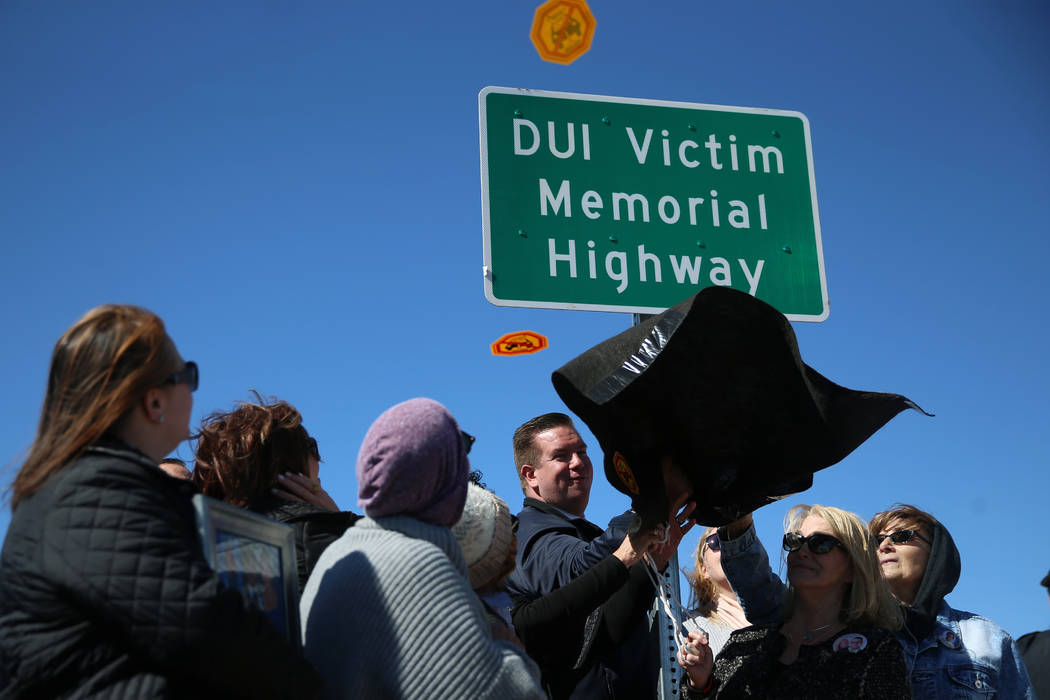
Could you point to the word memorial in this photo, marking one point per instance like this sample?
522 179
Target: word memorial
619 204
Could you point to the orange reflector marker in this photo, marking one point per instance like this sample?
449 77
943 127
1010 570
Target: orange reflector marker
562 30
519 343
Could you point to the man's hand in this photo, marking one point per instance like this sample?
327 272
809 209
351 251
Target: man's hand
680 522
634 546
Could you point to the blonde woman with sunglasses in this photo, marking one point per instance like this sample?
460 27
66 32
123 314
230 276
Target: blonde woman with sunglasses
715 608
835 634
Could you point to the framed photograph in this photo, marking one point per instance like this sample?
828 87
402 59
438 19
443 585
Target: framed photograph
255 555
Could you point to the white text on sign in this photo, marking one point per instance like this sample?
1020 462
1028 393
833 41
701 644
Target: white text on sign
693 211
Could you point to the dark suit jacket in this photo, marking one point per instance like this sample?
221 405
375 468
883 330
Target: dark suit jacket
580 614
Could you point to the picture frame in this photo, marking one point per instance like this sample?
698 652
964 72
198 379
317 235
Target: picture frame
255 555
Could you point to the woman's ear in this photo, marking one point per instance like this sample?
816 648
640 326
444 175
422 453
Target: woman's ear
154 404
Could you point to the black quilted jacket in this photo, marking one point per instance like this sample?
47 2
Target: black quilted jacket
315 529
104 593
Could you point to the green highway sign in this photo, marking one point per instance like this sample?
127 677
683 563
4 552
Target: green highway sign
629 205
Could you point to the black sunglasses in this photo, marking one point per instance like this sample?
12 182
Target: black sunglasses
819 543
468 440
187 375
713 543
901 537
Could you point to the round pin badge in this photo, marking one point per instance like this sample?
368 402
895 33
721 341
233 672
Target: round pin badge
852 643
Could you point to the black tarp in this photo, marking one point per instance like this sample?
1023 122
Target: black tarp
717 384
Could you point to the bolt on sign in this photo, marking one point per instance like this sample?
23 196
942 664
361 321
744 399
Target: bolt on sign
562 30
630 205
519 343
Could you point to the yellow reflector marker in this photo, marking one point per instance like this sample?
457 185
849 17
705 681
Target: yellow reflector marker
519 343
562 30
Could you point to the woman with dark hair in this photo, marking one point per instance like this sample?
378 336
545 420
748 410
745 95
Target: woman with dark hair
835 636
260 457
715 608
104 591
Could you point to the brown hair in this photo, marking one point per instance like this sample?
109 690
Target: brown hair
240 453
907 515
703 591
100 367
525 451
869 599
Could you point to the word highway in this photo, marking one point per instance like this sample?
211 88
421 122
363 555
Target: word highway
685 269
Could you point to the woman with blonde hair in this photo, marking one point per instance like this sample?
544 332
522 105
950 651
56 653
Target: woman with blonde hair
835 636
715 608
104 591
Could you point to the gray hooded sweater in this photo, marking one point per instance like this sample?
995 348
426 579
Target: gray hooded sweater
388 613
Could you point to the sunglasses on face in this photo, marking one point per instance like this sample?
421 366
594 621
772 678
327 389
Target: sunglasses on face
187 375
819 543
901 537
712 542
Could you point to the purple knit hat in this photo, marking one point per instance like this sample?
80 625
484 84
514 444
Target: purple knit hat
413 462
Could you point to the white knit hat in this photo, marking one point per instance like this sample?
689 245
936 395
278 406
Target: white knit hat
484 533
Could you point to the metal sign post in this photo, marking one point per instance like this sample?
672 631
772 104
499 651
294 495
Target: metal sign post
671 673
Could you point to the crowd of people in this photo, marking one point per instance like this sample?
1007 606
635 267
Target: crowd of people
437 590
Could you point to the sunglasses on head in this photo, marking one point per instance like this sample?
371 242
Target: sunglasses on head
819 543
713 543
187 375
901 537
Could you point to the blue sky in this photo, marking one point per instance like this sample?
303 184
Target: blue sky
296 191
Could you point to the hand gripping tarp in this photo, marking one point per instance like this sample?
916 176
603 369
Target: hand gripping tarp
717 384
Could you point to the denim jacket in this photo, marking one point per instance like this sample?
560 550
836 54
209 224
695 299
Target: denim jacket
965 656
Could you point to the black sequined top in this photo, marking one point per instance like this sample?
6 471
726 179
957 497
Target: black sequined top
859 662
